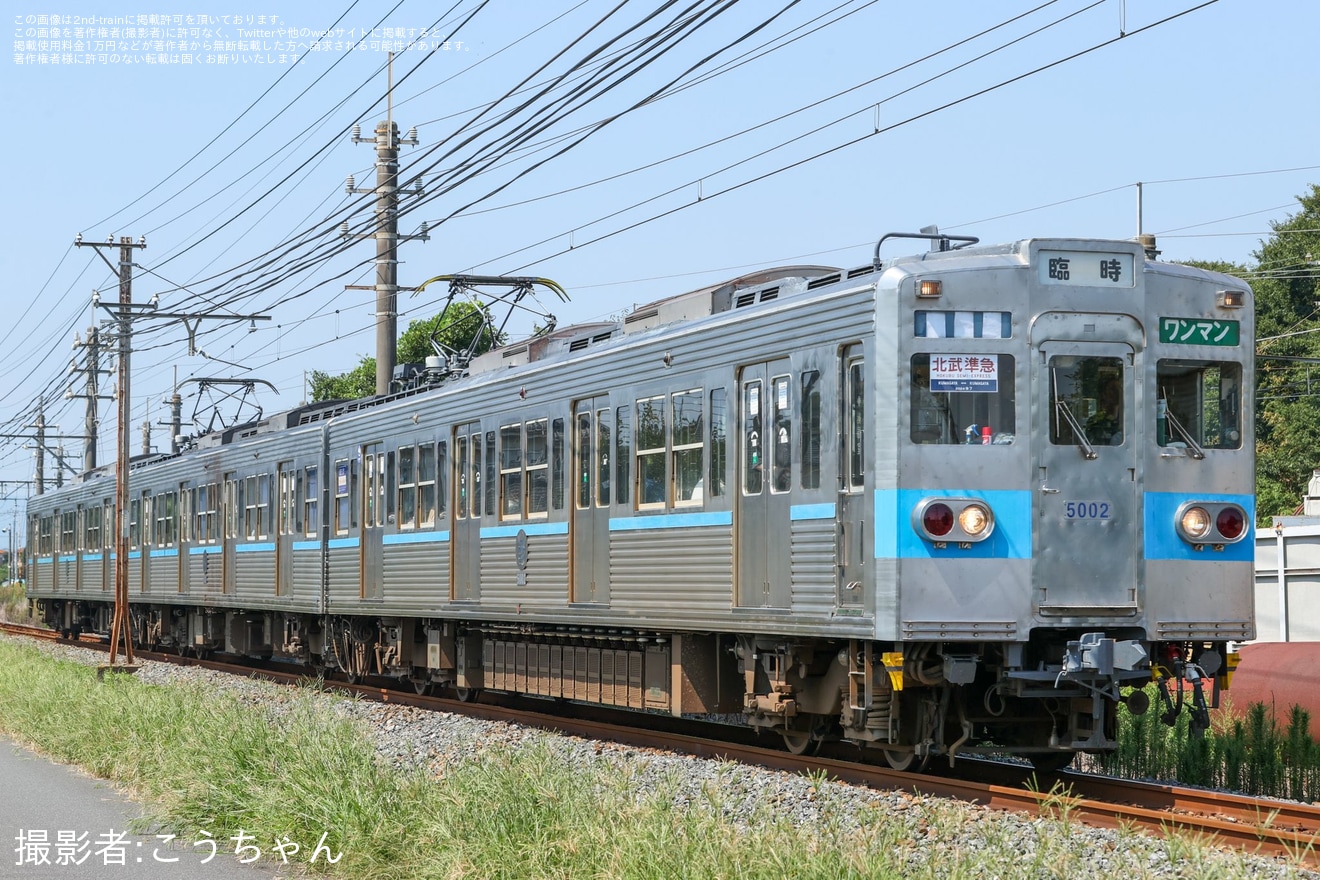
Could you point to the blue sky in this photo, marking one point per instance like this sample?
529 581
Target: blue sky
803 142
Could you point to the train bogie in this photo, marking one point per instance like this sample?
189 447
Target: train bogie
958 502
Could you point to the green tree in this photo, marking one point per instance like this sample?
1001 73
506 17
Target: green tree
1287 325
459 327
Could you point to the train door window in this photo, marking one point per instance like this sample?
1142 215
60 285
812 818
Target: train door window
718 441
441 478
753 478
962 399
476 475
375 484
1200 402
288 506
387 492
511 472
651 452
231 503
204 513
426 484
343 500
186 497
855 421
687 446
557 464
491 469
538 469
46 532
461 465
407 487
810 405
604 444
781 450
622 453
582 460
80 536
1086 400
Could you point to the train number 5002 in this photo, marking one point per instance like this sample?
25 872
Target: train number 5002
1091 510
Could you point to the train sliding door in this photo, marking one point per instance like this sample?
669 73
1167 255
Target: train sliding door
852 515
590 521
465 541
763 521
1089 458
373 519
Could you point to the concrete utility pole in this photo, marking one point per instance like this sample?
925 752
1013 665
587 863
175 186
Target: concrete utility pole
119 628
92 370
124 312
387 236
40 428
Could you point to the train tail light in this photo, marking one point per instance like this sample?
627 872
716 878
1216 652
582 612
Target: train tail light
1218 523
962 520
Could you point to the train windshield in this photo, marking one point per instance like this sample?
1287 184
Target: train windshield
963 398
1198 404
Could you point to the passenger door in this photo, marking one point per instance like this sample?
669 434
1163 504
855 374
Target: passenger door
590 521
465 545
373 519
765 478
1087 505
852 538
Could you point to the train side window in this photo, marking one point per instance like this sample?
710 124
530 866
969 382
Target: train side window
311 503
604 445
511 472
651 452
134 523
855 422
557 464
718 441
623 455
256 508
954 397
781 448
538 468
68 526
166 519
92 524
426 484
1201 400
810 429
753 479
688 447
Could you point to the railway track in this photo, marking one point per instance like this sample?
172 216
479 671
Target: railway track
1259 826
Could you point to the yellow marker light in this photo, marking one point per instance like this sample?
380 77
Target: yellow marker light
974 519
1195 523
930 289
1231 299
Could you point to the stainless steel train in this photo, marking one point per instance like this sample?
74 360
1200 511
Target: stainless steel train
963 501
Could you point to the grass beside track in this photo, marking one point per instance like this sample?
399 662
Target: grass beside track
204 759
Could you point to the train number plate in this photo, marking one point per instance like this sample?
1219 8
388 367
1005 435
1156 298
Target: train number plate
1087 511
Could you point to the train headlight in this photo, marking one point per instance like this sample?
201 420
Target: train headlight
1194 523
962 520
1203 522
974 519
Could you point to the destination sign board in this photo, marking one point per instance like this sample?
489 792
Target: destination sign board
1086 269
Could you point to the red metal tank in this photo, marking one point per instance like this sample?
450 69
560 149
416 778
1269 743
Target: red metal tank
1280 675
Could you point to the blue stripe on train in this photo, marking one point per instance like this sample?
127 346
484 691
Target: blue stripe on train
895 537
1163 542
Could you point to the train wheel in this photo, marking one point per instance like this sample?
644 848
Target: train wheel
800 741
905 762
422 686
1051 762
465 695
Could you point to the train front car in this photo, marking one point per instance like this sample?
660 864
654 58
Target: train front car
1070 510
